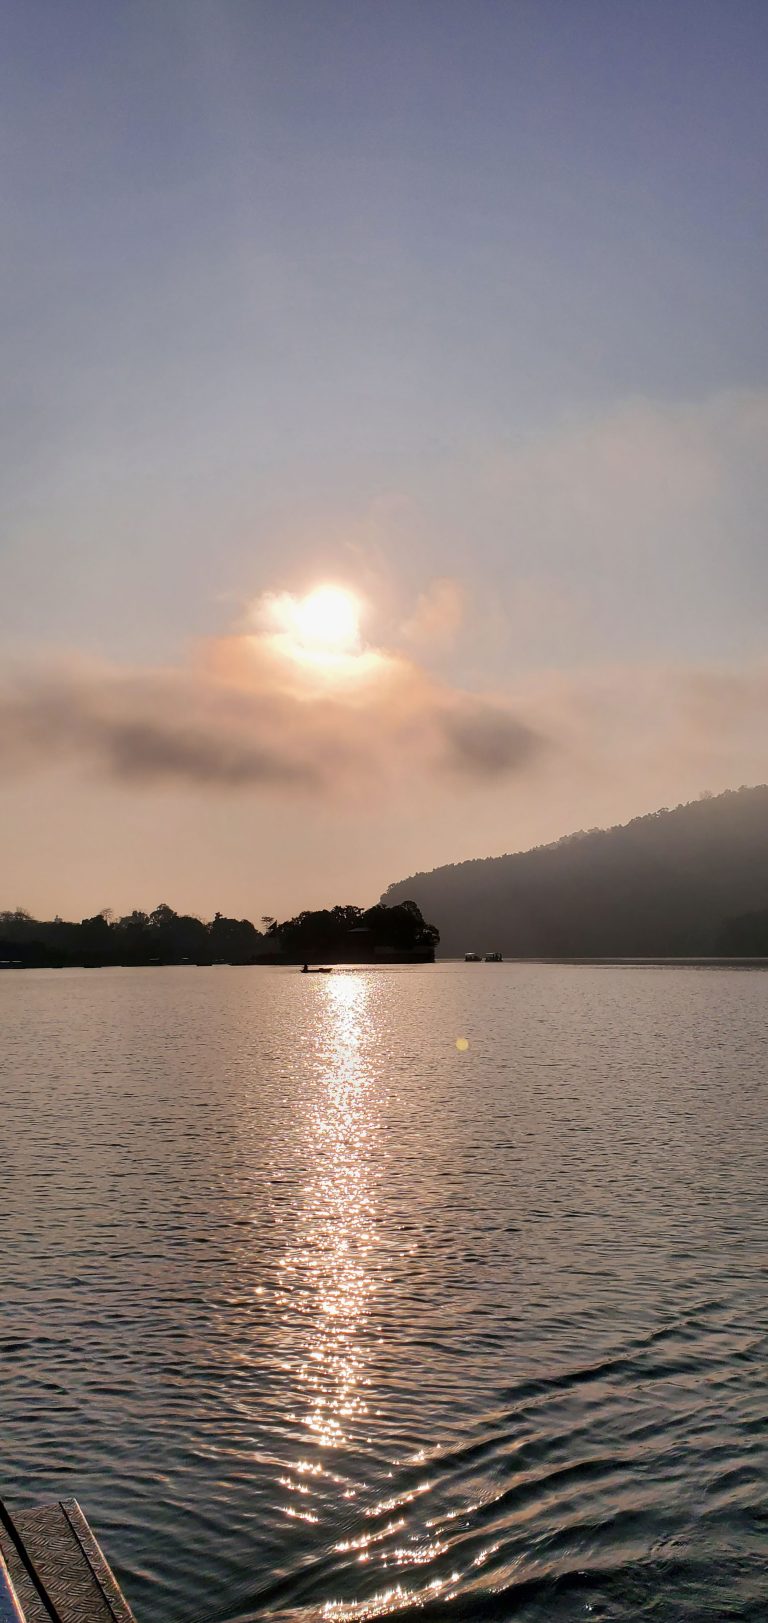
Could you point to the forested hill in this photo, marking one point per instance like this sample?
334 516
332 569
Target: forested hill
674 882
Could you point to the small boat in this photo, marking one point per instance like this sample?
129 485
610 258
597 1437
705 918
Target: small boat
472 958
324 969
493 958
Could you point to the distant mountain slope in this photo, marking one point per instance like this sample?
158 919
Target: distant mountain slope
662 884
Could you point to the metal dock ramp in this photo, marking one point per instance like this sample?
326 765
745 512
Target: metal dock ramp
57 1569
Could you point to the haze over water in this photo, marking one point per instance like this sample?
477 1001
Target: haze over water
319 1316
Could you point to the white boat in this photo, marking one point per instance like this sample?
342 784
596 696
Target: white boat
472 958
493 958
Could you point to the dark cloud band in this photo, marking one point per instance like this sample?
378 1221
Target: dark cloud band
190 728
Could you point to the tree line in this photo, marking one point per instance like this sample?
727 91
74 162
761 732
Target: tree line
162 936
346 933
356 933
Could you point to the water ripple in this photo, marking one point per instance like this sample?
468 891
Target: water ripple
323 1319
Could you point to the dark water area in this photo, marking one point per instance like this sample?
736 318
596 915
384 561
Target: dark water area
321 1316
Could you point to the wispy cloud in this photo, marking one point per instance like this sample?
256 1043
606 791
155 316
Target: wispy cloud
438 614
240 715
669 728
237 719
638 531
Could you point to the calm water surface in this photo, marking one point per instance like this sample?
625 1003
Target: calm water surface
319 1316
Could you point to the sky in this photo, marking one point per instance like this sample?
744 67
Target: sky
454 306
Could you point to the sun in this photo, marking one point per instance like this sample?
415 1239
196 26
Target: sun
327 621
319 632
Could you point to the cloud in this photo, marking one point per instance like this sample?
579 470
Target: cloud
145 727
639 475
242 715
639 531
438 614
485 741
668 728
263 712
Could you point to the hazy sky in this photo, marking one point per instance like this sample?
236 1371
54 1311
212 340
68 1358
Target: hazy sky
455 303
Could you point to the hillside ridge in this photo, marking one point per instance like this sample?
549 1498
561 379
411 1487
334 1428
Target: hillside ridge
667 882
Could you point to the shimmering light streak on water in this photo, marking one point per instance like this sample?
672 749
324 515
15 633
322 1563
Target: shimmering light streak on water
329 1259
423 1293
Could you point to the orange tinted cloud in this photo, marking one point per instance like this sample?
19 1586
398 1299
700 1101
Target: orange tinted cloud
242 715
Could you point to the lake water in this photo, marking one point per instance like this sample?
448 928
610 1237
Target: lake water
320 1316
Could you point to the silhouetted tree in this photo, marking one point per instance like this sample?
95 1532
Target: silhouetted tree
349 934
162 936
234 940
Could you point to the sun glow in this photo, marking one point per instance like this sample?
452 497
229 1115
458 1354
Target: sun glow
321 629
327 621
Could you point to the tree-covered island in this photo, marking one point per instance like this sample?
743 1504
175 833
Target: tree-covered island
337 935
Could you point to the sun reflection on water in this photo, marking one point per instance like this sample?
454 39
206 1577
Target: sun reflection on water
325 1277
329 1281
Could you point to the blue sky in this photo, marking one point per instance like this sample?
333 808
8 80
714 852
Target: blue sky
388 293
